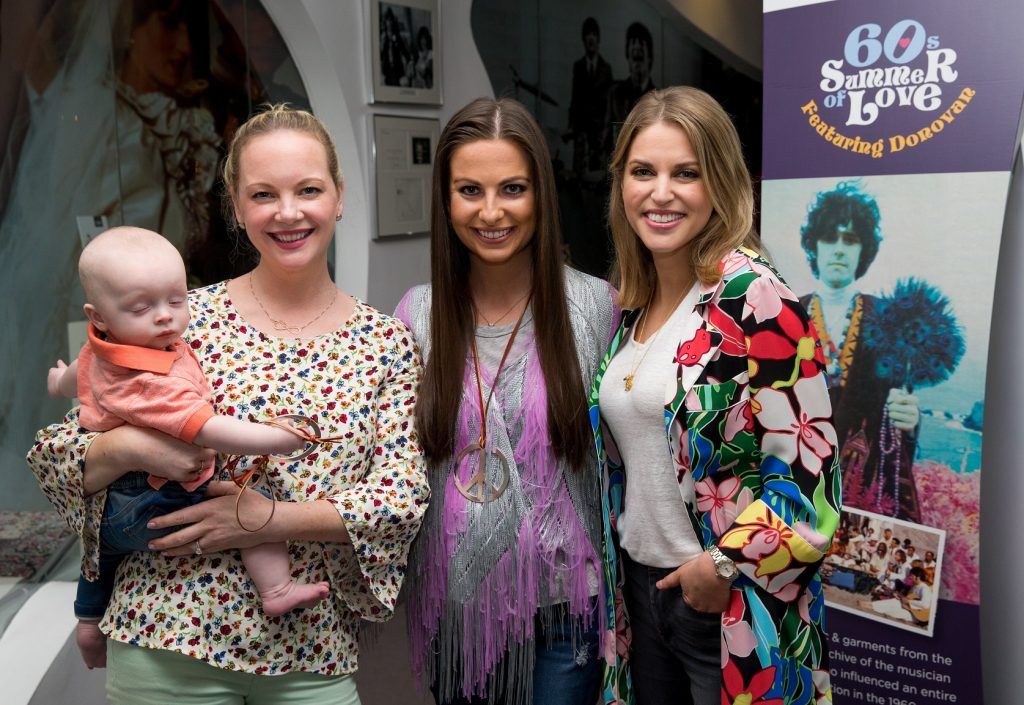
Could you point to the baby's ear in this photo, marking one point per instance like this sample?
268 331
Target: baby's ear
95 317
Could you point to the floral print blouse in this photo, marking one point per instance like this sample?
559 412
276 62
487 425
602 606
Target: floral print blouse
358 382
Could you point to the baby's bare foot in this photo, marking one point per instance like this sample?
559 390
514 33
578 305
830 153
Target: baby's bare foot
293 596
92 644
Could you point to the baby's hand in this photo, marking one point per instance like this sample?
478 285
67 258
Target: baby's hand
54 378
282 442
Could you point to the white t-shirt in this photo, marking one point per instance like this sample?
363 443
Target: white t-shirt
654 528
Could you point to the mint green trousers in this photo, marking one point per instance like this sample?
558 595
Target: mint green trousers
141 676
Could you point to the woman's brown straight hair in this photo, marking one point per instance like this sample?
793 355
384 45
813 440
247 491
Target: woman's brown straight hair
451 314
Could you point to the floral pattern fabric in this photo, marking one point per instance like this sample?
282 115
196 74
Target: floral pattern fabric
751 420
358 382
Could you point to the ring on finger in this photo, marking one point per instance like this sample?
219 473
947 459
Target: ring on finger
198 549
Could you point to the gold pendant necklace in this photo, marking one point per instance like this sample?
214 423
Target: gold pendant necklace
281 326
631 375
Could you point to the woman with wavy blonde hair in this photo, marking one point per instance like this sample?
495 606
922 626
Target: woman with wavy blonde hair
712 403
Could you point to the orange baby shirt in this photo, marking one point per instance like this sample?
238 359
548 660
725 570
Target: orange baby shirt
160 389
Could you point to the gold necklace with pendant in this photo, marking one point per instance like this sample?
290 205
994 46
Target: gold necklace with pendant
631 376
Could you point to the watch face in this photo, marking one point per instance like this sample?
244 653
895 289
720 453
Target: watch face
724 566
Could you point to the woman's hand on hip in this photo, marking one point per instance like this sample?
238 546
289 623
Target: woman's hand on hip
213 524
702 589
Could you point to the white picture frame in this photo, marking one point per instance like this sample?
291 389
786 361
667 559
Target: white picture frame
845 578
405 52
403 164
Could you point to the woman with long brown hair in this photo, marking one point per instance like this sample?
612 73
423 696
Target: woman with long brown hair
504 574
714 391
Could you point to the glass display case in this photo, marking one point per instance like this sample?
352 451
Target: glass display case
111 112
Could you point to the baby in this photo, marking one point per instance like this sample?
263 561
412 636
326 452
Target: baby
136 369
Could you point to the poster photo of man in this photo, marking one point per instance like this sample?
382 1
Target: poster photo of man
841 240
895 275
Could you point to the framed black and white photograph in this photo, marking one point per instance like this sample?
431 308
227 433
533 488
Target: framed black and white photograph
403 155
406 52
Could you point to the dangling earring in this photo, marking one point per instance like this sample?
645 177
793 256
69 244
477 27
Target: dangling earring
338 218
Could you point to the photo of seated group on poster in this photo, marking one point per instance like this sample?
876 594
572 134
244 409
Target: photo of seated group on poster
885 569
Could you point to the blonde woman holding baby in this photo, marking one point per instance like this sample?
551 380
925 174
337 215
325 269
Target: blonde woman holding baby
185 622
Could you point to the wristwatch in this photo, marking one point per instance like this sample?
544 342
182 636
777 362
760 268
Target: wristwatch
724 566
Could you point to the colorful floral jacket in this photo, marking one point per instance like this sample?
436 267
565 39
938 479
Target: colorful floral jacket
749 416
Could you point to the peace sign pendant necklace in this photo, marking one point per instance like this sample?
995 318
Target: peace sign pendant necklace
477 489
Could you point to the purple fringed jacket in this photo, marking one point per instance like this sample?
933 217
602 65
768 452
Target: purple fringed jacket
481 574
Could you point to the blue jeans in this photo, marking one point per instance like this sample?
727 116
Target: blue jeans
676 651
562 675
131 503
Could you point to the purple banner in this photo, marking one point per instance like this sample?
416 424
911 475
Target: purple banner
890 128
883 87
876 664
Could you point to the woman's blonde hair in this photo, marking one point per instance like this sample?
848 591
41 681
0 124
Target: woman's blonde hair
726 179
270 119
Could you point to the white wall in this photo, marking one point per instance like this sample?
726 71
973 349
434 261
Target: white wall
330 42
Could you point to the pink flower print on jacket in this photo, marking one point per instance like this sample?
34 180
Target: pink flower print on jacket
738 418
805 431
737 636
764 298
722 502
